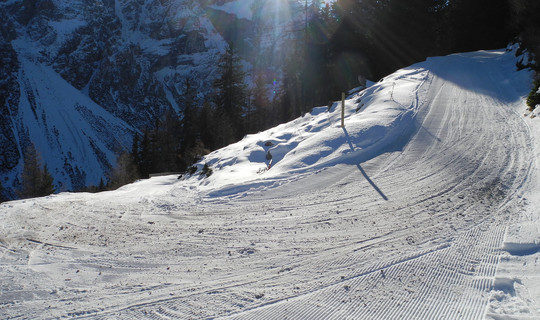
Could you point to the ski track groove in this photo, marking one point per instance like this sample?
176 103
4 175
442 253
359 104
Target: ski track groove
446 276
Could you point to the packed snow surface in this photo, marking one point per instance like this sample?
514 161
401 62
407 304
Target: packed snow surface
424 206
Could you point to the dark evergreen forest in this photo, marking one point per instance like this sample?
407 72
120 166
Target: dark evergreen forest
329 50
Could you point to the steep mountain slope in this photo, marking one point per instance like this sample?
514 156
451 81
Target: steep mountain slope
112 67
417 209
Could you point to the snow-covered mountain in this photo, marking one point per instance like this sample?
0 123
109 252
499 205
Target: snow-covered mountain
79 77
424 206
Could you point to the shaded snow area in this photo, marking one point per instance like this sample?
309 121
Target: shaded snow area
74 128
425 206
241 8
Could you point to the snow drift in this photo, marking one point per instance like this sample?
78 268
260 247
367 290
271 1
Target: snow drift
377 120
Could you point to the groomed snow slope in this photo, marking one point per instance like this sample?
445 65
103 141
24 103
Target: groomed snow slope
416 210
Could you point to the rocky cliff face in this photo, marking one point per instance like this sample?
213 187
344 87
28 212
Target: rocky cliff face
79 77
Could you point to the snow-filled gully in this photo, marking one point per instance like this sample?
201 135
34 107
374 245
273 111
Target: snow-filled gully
414 232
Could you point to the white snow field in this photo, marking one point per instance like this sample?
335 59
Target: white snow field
424 207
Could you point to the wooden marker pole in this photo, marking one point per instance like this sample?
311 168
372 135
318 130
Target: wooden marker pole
343 109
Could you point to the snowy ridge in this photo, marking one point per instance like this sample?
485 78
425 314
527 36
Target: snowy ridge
69 128
425 208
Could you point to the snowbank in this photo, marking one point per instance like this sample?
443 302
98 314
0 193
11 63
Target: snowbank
377 120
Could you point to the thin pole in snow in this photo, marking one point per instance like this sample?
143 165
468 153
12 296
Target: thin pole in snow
343 109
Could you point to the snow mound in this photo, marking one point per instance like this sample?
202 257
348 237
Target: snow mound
377 120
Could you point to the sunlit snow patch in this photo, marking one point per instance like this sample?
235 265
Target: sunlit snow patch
377 120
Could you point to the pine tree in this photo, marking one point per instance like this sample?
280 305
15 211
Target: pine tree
377 37
534 96
2 198
125 171
230 98
526 24
291 86
166 142
207 126
47 182
35 182
190 134
478 24
101 186
261 104
31 174
145 161
135 151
